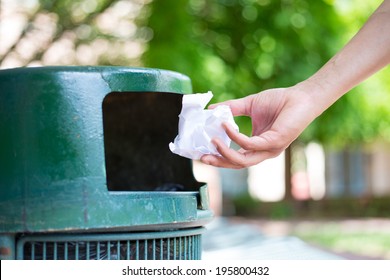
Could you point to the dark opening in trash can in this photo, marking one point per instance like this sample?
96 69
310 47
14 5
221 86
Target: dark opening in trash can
138 127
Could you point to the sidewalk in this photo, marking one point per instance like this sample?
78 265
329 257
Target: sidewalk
233 240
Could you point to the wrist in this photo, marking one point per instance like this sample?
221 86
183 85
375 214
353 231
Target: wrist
318 96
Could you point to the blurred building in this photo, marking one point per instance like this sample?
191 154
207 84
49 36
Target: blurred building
363 171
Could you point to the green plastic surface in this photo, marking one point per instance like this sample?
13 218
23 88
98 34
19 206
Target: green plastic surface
52 154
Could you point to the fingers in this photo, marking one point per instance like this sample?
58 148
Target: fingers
254 149
261 142
218 161
235 159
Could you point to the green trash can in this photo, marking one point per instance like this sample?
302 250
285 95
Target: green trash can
85 168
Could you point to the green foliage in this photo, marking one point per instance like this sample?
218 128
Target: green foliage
73 32
247 206
362 115
240 47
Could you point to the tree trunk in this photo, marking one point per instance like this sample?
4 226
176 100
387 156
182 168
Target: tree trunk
287 174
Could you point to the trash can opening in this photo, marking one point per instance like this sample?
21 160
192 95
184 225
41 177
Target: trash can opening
138 127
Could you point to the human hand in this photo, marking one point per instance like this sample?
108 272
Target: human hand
278 117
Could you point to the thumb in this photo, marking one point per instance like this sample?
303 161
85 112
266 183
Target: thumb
239 107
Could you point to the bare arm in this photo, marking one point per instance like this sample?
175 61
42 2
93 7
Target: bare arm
366 53
280 115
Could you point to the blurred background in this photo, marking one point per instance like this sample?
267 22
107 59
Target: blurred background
331 187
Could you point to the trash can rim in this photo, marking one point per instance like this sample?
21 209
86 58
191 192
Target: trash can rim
93 69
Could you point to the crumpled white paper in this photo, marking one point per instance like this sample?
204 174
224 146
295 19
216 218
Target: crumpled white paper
197 127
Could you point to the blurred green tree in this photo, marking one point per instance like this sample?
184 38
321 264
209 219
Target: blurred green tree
71 32
239 47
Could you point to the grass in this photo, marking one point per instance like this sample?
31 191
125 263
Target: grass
336 238
354 226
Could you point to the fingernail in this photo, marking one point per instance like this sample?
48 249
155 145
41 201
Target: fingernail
226 124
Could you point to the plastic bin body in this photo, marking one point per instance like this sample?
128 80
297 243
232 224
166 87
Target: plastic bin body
68 163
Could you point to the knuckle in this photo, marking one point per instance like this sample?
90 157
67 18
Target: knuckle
279 144
241 161
249 146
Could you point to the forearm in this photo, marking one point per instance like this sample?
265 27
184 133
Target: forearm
366 53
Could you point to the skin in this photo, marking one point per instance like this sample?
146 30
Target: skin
280 115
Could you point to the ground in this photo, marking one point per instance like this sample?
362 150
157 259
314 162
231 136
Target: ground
242 238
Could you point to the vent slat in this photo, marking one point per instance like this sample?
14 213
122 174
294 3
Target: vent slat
95 247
